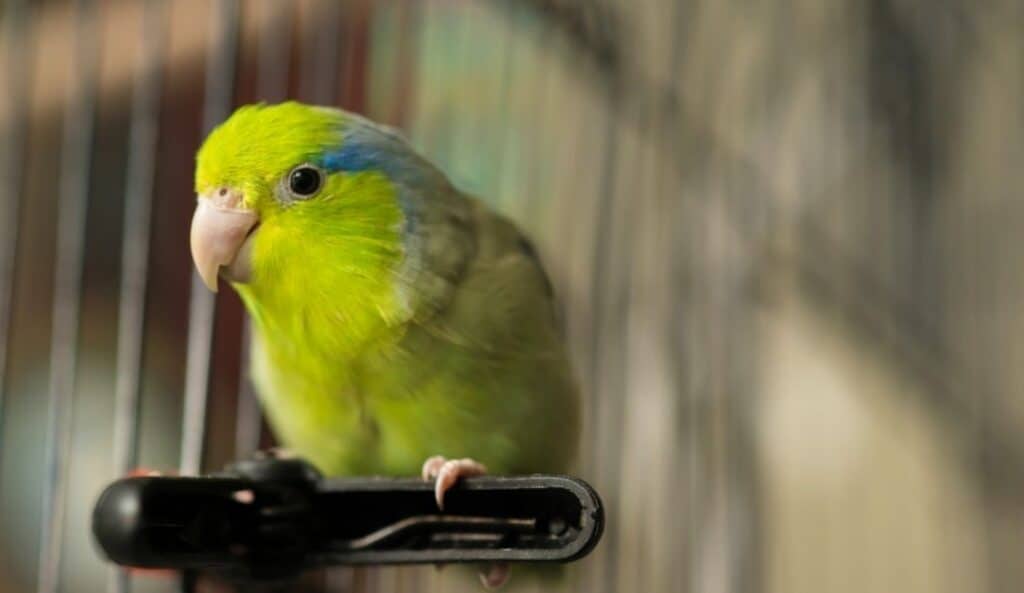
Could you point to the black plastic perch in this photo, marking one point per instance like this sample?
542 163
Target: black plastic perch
270 519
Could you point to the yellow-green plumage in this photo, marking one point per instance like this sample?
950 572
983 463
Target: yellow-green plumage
395 318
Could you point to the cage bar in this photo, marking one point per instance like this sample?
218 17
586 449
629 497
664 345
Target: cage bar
248 420
220 73
12 160
275 52
319 50
135 249
73 195
602 415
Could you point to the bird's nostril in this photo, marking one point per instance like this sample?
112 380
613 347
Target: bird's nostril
225 197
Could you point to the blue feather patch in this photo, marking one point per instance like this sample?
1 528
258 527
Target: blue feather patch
354 156
368 148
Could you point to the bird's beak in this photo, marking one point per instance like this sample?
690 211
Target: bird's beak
221 228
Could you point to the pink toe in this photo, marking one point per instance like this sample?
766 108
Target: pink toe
432 466
449 474
446 478
495 576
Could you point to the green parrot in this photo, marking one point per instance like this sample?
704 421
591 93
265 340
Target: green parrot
399 325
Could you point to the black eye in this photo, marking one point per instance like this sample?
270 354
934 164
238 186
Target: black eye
304 181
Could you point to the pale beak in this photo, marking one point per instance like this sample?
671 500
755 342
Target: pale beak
221 227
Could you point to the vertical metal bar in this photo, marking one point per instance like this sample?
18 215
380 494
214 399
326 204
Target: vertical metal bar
546 42
454 123
135 250
671 137
404 82
74 192
683 525
220 74
512 46
13 159
423 127
600 444
319 80
275 53
248 421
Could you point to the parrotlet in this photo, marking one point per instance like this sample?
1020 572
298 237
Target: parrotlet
400 326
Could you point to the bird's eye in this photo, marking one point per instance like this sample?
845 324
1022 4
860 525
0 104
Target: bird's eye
304 181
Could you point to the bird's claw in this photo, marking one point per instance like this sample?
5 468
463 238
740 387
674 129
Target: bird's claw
446 472
495 575
431 466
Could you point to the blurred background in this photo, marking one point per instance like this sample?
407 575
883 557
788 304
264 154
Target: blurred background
786 236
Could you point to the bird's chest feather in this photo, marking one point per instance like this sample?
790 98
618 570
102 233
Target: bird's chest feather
382 412
309 376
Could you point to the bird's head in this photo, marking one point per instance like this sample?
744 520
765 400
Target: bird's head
291 180
318 216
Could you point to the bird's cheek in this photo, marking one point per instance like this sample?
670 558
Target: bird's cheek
240 268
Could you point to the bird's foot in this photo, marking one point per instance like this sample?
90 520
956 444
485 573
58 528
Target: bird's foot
446 472
495 575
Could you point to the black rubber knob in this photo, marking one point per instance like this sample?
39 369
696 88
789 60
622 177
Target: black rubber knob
174 522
